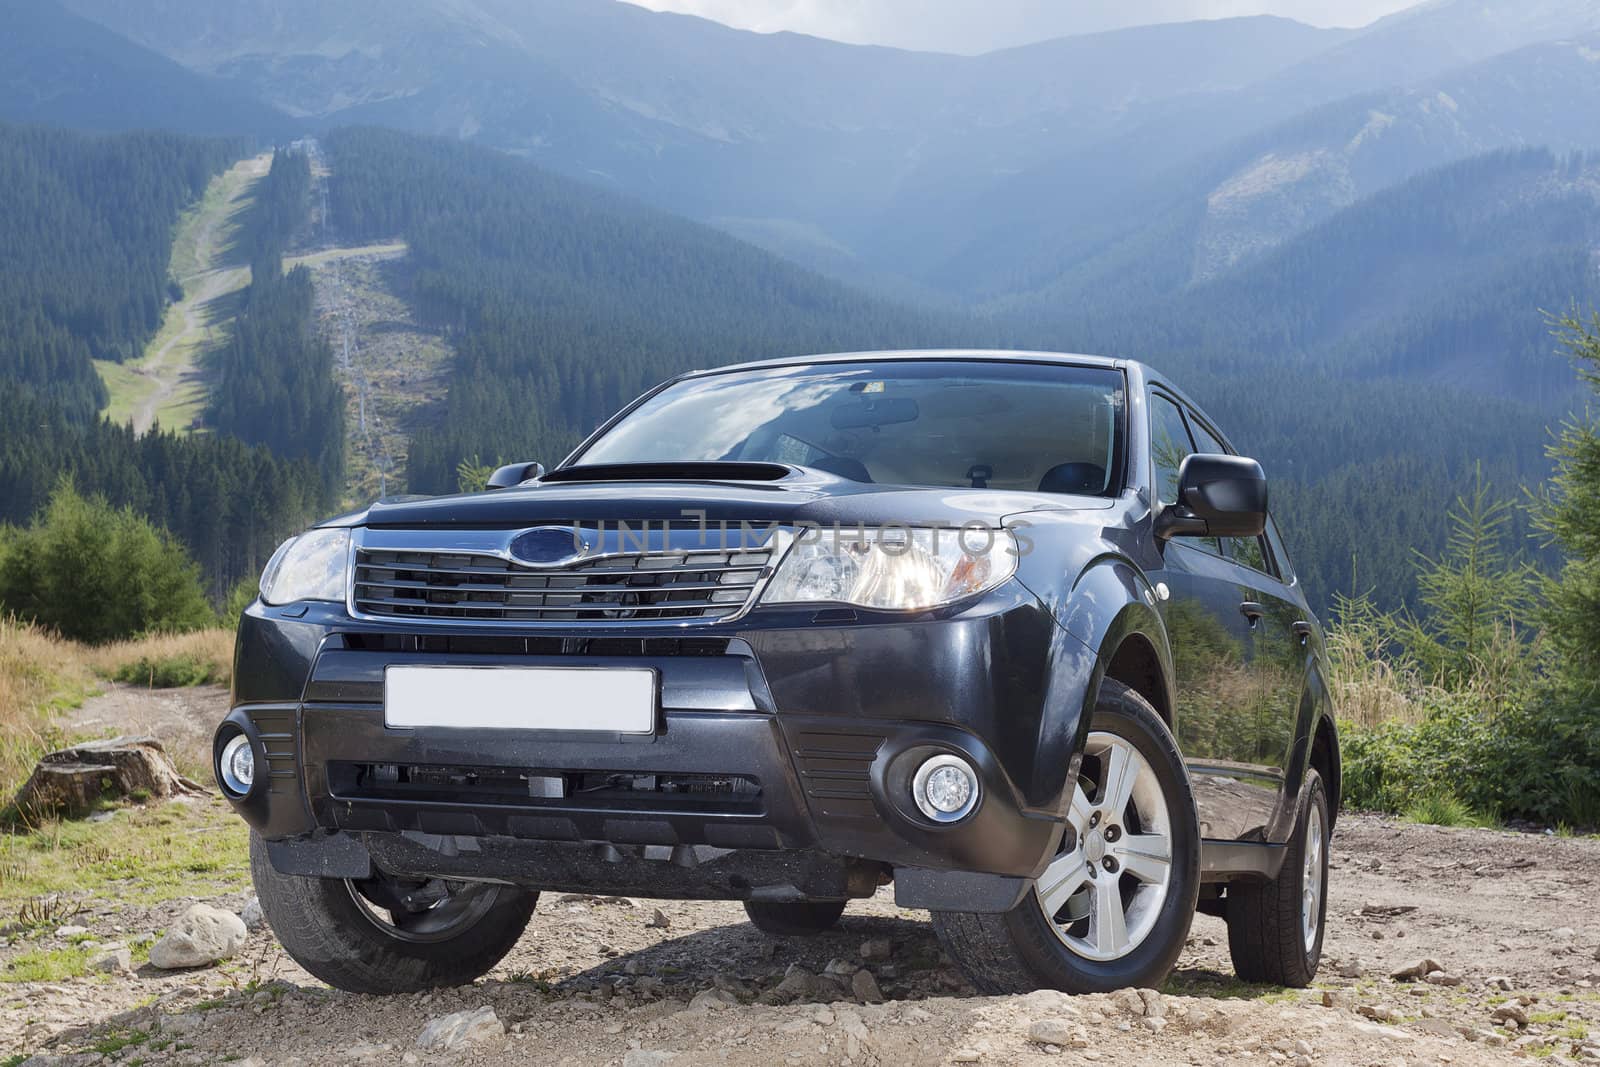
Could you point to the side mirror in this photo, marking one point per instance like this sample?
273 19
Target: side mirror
515 474
1218 496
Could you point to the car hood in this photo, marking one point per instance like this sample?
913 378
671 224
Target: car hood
791 495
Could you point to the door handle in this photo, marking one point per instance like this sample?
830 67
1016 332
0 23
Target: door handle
1252 611
1303 629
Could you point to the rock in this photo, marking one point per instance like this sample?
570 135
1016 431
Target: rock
115 959
800 984
877 948
638 1057
842 968
1350 969
74 780
1051 1032
865 987
1412 971
462 1029
68 932
965 1055
1154 1006
1128 1001
712 999
1442 978
186 1023
1515 1014
1563 933
1153 1023
1387 1032
1303 1047
1498 981
201 937
1335 998
1380 1012
252 915
731 983
658 921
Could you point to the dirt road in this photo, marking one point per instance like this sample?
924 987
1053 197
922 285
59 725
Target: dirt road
1510 917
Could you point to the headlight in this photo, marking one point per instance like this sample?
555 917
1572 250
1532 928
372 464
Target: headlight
308 567
891 568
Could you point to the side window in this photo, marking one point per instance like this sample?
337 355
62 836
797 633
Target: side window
1169 444
1250 551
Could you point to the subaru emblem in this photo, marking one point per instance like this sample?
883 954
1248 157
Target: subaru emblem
549 546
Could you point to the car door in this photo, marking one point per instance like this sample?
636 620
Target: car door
1213 643
1266 706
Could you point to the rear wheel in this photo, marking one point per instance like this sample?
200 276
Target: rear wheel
794 918
390 935
1114 907
1275 928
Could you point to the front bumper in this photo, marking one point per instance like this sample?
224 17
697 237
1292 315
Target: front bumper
826 714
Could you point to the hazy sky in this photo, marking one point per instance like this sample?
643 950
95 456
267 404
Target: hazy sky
982 25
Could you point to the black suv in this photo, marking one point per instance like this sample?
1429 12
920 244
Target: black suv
1013 631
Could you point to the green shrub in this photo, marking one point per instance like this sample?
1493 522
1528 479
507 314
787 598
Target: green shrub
168 672
1536 760
1443 809
96 573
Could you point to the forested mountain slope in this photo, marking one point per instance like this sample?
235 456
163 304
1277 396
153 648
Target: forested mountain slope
564 302
57 67
86 225
1444 278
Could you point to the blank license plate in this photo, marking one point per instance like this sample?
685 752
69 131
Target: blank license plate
598 699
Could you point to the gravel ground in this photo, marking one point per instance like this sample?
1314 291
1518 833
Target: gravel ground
1506 921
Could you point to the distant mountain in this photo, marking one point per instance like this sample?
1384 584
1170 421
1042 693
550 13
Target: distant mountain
1190 223
59 68
1420 43
708 121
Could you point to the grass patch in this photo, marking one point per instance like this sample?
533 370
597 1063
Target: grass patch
118 1040
46 965
1219 986
1443 809
39 675
167 661
193 849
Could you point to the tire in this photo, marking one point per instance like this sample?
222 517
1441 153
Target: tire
1025 949
332 928
797 919
1268 934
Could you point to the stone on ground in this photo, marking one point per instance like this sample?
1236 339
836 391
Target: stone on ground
462 1029
201 937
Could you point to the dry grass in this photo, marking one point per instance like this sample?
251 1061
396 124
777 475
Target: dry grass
206 655
39 673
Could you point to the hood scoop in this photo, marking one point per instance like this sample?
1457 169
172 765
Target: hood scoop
671 472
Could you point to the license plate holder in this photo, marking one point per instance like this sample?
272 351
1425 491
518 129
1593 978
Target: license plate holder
605 700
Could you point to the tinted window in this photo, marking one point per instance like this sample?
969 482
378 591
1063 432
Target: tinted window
1169 443
1032 426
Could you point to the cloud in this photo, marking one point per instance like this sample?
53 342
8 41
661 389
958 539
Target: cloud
983 25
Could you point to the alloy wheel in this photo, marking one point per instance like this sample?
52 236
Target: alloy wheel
1104 893
1311 877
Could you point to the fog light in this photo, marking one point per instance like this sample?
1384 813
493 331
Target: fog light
237 765
945 788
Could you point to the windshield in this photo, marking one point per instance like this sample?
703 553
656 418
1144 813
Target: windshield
1030 426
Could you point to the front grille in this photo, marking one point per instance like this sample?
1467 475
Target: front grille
653 585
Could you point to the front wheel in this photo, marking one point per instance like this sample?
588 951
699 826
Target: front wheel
390 935
1113 908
